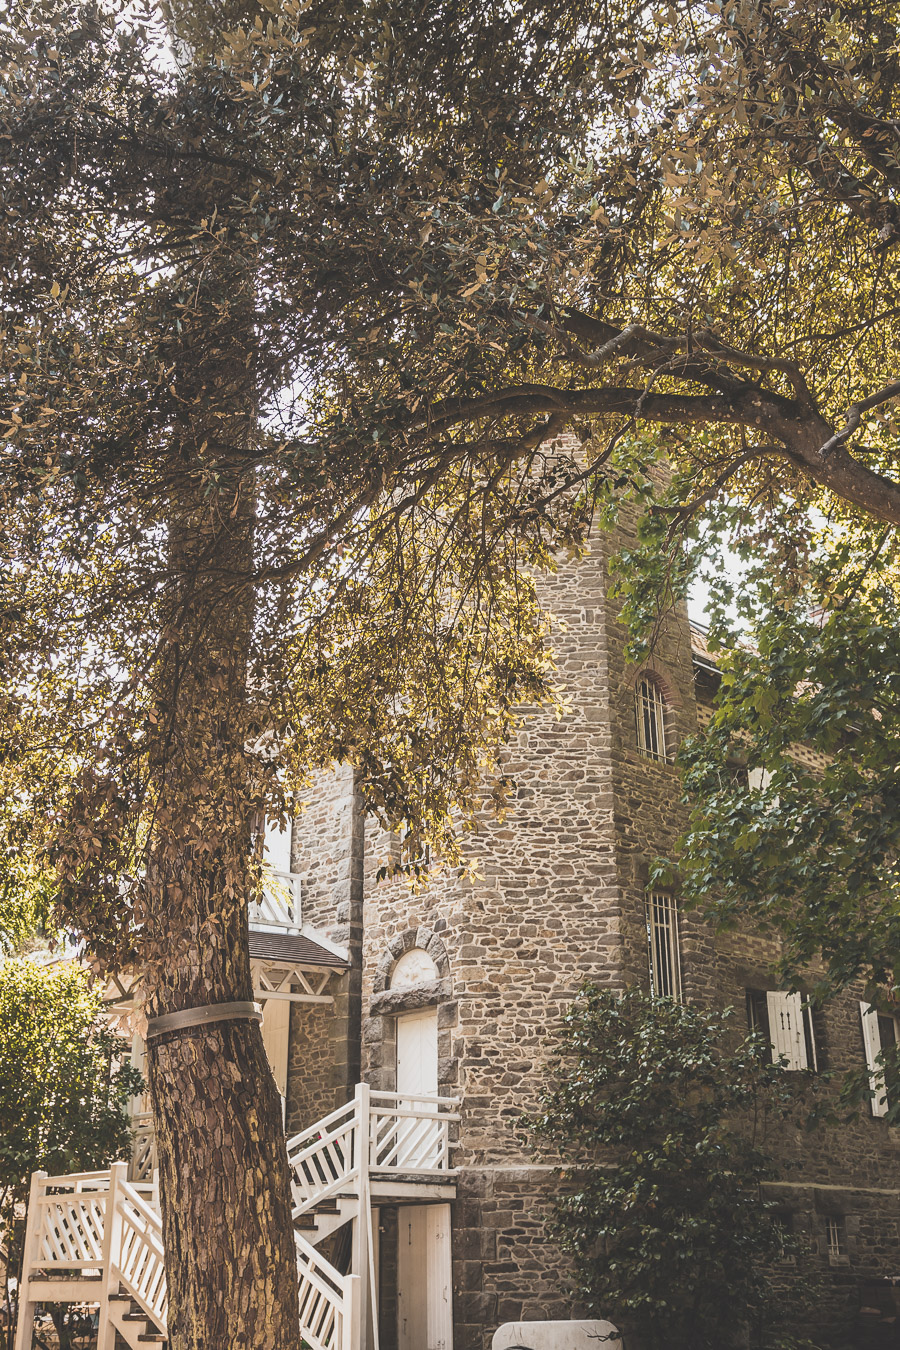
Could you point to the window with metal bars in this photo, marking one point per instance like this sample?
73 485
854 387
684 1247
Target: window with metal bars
836 1237
650 716
663 946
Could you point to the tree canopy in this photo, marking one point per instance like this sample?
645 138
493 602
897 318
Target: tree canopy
463 231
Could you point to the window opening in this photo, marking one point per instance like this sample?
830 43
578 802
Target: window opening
650 711
663 945
758 1013
836 1237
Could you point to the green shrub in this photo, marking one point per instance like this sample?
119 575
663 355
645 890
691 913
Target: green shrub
659 1115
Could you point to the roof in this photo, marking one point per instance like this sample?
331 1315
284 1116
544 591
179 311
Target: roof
293 948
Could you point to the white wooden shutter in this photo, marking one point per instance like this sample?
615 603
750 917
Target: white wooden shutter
786 1028
872 1042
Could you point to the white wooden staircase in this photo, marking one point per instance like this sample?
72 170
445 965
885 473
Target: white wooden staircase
95 1237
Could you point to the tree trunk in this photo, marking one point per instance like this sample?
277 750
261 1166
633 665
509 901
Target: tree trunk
230 1263
230 1256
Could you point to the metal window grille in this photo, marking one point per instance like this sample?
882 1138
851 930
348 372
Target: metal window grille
650 711
662 942
836 1237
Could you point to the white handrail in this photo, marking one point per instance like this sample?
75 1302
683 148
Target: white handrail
313 1131
138 1260
414 1097
328 1301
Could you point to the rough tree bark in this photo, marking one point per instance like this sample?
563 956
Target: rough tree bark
230 1257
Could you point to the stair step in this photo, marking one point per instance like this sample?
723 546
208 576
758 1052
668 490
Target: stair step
39 1275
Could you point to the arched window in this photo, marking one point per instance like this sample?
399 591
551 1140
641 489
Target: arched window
650 715
414 967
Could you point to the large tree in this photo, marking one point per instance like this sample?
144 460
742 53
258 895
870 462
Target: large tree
297 300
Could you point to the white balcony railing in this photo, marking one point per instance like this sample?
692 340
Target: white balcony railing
280 909
386 1133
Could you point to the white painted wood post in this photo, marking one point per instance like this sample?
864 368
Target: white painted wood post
112 1251
361 1254
351 1338
30 1254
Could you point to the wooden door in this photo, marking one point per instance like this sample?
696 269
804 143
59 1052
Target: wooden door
418 1140
424 1278
275 1032
417 1054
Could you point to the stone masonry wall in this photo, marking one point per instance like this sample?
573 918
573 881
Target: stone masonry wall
559 896
544 914
327 845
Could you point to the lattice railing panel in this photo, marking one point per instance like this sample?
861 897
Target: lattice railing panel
280 905
323 1158
71 1230
322 1299
411 1133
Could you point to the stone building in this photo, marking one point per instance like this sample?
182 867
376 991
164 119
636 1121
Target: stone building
398 1022
454 990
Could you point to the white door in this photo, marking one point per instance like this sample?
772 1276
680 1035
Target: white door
424 1278
417 1139
276 1026
417 1056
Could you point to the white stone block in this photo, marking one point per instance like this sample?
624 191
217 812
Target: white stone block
556 1336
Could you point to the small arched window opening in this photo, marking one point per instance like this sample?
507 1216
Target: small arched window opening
650 714
414 967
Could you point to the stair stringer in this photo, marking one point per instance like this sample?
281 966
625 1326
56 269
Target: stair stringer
121 1313
329 1221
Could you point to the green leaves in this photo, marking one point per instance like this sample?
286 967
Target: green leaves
660 1116
812 852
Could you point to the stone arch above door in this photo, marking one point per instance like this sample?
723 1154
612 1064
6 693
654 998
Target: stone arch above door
421 939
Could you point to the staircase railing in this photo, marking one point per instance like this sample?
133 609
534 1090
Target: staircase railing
96 1227
137 1256
323 1158
330 1307
407 1134
410 1133
100 1228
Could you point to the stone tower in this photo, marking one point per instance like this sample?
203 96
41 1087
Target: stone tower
456 988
